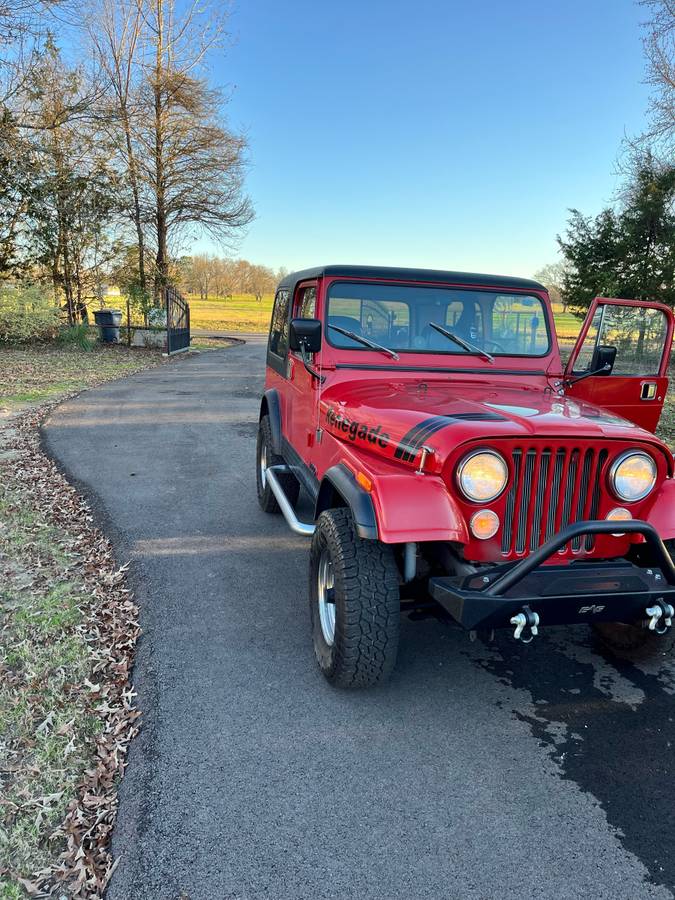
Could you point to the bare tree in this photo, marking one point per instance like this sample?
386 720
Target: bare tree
202 274
194 165
115 31
22 26
260 281
659 46
552 276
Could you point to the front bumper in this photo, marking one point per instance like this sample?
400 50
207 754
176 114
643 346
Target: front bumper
583 591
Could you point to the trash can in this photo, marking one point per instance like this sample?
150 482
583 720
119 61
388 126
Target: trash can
108 321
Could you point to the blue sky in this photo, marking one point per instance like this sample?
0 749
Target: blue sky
442 134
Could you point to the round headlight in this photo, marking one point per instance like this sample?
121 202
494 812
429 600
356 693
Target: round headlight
632 475
482 475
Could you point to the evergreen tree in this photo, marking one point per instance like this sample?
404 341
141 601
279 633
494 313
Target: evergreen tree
627 251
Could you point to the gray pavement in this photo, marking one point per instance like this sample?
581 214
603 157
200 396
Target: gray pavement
477 772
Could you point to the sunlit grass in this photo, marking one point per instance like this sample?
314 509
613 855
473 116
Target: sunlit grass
237 313
40 372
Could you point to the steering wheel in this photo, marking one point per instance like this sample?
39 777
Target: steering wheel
495 344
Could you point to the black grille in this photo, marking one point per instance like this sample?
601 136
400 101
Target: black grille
552 487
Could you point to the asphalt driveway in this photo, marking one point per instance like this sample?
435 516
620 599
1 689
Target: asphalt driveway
477 772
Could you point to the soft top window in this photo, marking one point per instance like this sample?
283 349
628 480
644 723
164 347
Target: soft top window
402 317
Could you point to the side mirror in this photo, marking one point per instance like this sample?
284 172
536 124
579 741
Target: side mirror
305 334
603 360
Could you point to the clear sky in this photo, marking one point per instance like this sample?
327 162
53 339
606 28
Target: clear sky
444 134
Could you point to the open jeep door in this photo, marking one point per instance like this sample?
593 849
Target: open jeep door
623 351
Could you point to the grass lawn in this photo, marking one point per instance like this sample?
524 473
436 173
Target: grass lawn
47 733
238 313
40 372
242 312
67 632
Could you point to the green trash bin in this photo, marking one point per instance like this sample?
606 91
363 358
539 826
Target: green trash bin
108 322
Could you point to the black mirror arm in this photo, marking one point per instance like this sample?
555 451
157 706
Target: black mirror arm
570 381
305 362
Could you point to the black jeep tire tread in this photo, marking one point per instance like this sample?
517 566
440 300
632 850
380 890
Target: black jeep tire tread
633 642
367 598
290 484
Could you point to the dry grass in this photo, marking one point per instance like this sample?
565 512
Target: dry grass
41 372
67 631
68 628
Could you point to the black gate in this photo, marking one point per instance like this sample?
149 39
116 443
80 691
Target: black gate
177 321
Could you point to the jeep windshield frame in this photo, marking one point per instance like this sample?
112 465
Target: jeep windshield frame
345 299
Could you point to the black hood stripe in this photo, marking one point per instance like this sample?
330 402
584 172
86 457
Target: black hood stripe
479 417
413 440
409 437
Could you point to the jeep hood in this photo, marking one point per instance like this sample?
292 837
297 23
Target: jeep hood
397 418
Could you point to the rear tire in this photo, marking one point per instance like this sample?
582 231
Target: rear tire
354 603
264 458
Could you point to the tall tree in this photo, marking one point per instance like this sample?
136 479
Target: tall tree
659 46
115 30
72 200
193 165
628 250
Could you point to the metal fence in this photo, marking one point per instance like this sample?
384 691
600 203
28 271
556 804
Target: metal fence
177 321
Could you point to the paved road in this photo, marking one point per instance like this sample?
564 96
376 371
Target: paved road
502 772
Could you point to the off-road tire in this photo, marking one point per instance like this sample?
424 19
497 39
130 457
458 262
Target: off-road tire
367 603
266 499
633 643
636 643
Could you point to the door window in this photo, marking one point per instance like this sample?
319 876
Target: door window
638 333
279 327
305 306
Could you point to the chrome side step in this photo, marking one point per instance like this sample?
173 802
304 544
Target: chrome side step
287 510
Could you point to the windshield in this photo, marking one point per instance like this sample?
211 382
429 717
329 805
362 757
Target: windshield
402 318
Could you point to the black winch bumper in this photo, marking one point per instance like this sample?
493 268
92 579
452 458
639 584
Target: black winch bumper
614 591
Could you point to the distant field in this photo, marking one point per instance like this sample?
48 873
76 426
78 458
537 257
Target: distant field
243 313
238 313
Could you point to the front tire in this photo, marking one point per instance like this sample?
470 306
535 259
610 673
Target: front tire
264 458
636 643
354 603
633 643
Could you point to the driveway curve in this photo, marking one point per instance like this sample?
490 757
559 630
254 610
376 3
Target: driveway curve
477 772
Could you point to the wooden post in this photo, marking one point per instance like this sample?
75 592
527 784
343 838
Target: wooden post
128 323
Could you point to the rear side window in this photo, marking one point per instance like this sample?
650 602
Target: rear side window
279 327
306 303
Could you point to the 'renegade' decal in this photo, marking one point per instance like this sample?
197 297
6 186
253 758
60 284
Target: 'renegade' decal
357 430
411 442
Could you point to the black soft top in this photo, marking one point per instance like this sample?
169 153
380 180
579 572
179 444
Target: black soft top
392 273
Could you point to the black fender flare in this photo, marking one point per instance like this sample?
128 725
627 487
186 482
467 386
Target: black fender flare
271 407
339 481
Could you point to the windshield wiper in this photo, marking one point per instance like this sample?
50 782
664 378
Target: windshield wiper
470 348
365 341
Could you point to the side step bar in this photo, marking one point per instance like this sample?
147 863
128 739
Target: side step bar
287 510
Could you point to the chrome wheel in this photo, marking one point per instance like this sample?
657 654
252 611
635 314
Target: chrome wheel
263 465
326 593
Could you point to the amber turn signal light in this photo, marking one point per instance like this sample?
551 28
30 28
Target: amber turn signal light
364 481
619 514
484 524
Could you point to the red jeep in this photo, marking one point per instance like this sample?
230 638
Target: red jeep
450 460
